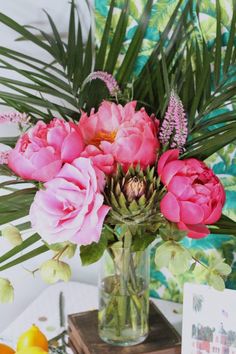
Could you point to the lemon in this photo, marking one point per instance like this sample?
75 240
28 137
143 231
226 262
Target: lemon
32 338
31 350
4 349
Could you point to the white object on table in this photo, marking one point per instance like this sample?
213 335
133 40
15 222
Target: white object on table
78 297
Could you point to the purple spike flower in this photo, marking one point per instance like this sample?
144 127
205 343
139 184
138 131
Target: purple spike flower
107 78
14 117
174 127
4 157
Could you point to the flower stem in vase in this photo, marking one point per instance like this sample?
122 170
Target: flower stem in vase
124 296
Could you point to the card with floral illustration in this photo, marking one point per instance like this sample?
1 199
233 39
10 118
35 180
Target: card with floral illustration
209 321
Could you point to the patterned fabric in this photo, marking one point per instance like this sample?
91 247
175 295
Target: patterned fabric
163 284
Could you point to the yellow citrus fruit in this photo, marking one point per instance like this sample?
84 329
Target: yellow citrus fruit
4 349
32 338
31 350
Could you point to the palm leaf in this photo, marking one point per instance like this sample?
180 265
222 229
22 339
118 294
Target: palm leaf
127 66
25 244
32 254
118 39
16 205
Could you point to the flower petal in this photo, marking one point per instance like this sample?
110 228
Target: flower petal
191 213
194 231
170 207
168 156
170 170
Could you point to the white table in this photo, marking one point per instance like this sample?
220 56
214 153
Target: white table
78 297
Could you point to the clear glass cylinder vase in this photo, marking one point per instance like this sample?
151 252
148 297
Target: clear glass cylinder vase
124 297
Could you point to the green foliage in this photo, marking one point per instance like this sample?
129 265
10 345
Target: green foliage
170 231
140 243
16 205
12 235
224 226
174 256
54 270
67 249
93 252
6 291
181 59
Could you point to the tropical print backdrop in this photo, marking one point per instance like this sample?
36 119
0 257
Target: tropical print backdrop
163 283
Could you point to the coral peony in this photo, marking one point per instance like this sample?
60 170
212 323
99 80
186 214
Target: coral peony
195 196
129 136
41 151
71 206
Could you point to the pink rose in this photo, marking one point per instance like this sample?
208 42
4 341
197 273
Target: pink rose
129 136
41 151
71 206
195 197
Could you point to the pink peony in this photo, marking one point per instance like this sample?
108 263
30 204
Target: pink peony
71 206
195 197
129 136
102 163
41 151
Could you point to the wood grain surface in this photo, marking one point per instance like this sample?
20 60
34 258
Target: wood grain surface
84 339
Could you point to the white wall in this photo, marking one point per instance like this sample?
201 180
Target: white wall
29 12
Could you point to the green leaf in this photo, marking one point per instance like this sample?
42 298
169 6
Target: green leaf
162 255
54 270
6 291
118 38
93 252
26 243
129 60
25 257
12 235
225 226
180 262
208 146
218 42
101 55
88 57
140 243
172 255
23 31
79 54
230 45
60 44
223 269
71 45
16 205
68 248
4 170
216 281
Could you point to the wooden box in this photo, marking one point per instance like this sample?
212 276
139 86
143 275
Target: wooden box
84 339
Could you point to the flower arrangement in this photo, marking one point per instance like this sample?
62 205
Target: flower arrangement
122 164
116 169
116 180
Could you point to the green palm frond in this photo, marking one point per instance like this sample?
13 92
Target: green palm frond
203 76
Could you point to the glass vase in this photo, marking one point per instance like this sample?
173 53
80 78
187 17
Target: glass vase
124 297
